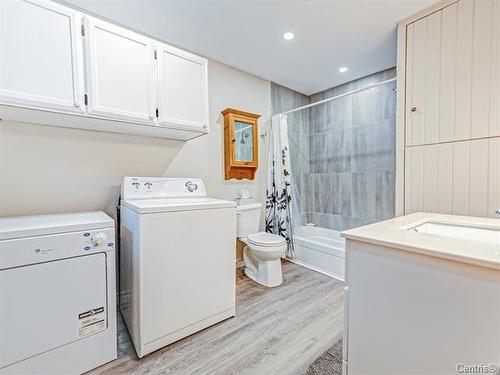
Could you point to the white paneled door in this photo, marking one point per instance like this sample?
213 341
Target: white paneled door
452 110
453 74
183 88
120 71
41 63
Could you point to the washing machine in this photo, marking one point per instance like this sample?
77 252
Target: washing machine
177 259
57 293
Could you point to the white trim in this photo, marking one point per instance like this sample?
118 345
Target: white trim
426 12
78 62
153 81
168 121
25 114
9 97
399 195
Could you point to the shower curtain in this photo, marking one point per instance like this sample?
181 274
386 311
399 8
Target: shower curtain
279 186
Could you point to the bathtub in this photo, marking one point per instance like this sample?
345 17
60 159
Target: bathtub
320 249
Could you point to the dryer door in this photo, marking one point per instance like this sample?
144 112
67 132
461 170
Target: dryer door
47 305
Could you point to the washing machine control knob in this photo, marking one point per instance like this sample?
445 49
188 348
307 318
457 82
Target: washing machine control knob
98 239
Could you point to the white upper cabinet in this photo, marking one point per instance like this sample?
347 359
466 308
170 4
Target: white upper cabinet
40 56
182 88
61 67
120 72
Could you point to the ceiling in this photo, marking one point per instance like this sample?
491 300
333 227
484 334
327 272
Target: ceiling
247 34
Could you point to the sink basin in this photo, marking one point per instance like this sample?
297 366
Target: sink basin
467 232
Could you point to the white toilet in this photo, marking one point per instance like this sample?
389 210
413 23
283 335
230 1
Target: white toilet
263 251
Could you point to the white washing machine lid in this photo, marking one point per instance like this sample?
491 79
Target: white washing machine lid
40 225
265 239
147 206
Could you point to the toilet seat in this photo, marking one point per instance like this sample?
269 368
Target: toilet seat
264 239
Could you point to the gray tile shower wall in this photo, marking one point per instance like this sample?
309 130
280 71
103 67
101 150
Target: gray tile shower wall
343 152
352 144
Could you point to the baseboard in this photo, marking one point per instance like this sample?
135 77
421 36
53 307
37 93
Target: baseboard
315 269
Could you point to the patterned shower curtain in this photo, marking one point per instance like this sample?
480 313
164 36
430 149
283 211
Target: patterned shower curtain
278 187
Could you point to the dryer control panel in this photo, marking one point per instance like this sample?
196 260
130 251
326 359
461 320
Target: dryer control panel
162 187
23 251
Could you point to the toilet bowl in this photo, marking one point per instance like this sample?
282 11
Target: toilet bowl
263 251
262 256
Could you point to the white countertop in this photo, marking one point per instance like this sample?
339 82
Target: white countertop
389 233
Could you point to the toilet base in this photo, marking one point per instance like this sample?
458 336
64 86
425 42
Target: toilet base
264 272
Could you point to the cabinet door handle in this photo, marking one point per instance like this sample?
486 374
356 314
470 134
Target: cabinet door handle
414 109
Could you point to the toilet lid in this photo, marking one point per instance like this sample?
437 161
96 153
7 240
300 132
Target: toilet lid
265 239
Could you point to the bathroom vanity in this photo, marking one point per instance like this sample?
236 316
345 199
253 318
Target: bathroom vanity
422 295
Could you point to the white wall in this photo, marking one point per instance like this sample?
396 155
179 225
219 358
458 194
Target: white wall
48 169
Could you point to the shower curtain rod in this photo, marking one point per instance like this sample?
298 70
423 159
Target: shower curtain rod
338 96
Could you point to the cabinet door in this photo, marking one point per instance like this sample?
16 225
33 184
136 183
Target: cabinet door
41 62
120 67
423 69
182 88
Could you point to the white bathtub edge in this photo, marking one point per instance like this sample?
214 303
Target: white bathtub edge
337 277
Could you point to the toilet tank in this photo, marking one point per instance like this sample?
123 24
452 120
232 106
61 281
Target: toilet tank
248 219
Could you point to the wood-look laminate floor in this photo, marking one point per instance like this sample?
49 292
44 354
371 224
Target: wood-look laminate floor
278 330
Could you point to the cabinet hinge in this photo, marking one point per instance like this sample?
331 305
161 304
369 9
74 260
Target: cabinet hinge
156 54
83 29
85 99
157 113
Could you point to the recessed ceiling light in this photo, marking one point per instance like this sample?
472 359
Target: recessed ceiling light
343 69
288 35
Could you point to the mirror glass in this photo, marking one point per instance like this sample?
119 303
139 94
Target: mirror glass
243 141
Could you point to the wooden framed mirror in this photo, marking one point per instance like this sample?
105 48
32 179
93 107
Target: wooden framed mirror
241 144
